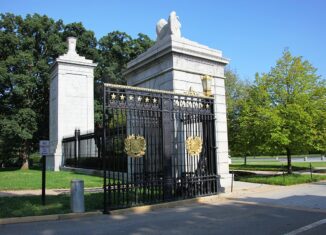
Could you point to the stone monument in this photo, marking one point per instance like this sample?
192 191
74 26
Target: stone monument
71 100
177 64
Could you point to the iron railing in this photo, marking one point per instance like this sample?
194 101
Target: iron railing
83 150
157 146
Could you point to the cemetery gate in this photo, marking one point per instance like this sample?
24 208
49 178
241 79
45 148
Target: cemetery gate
157 146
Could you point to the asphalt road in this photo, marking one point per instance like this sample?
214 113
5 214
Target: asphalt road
262 213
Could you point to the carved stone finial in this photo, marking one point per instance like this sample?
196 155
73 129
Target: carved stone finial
170 27
72 45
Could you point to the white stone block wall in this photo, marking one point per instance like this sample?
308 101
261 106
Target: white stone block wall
221 132
178 64
71 100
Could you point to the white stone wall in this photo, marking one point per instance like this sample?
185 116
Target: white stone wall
221 132
178 64
71 101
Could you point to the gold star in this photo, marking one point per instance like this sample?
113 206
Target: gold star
146 99
131 97
139 98
113 96
122 97
154 100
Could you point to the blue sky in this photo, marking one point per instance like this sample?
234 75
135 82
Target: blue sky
251 33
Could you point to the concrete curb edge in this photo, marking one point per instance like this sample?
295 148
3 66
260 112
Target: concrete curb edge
136 210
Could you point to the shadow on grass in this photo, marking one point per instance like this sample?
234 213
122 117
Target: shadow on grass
32 205
9 169
260 167
286 179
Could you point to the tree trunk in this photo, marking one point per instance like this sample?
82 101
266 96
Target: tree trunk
24 157
288 154
25 165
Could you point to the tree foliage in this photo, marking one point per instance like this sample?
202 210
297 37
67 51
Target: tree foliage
28 47
283 111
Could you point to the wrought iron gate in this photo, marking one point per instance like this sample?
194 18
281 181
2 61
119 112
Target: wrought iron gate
157 146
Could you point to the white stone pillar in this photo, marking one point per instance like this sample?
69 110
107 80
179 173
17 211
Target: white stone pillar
71 100
177 64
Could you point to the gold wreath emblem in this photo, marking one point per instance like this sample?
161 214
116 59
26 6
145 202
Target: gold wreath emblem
135 146
194 145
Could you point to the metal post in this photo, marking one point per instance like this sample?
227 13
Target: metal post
232 181
310 171
105 203
43 178
283 174
167 129
77 196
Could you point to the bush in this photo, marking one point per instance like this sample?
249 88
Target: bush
13 162
34 159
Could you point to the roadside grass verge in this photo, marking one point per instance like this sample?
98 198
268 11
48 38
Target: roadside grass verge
287 179
14 179
276 166
32 205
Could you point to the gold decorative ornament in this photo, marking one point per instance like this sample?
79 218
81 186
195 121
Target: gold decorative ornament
191 92
113 96
122 97
131 97
207 85
154 100
194 145
135 146
115 86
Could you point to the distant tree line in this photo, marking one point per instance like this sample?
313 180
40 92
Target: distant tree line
280 112
28 47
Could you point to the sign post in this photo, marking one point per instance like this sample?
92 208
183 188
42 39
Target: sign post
44 151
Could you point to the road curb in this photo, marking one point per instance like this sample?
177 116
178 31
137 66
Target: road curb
135 210
148 208
40 218
298 208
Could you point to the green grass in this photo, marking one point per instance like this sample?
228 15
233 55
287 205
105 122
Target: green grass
275 166
31 205
32 179
280 180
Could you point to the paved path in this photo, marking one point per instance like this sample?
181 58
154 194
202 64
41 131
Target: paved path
252 209
36 192
312 196
238 186
212 218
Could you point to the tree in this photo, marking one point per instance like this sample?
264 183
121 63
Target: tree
236 97
28 48
290 105
116 49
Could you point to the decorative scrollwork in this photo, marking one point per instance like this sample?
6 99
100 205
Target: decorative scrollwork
194 145
135 146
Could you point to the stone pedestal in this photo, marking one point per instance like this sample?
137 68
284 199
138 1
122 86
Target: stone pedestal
71 100
178 64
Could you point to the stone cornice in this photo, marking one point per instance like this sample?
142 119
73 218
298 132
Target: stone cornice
177 45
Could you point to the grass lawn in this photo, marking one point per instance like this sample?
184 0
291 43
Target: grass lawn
32 179
32 205
275 166
280 180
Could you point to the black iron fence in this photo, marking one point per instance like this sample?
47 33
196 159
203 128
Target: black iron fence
83 150
157 146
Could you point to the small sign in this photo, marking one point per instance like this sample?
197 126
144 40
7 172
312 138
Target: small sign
44 147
